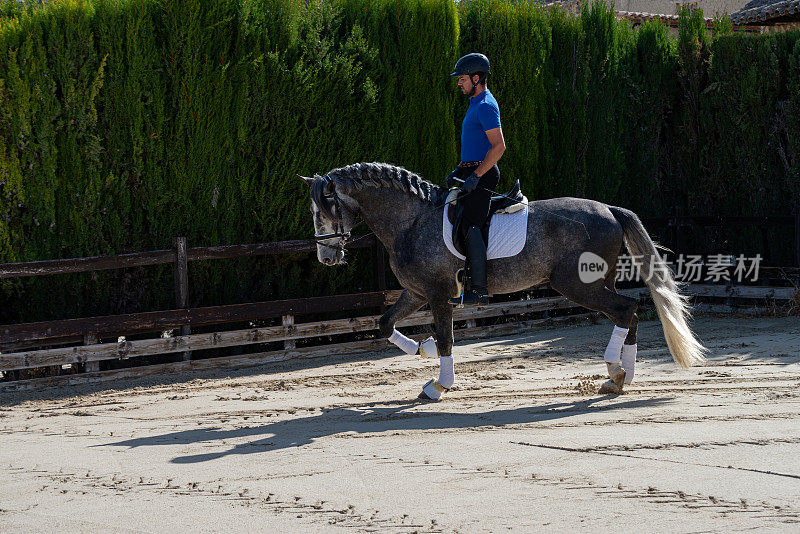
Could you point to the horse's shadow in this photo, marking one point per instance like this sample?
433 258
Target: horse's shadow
371 418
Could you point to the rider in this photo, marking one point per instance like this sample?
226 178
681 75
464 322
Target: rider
482 145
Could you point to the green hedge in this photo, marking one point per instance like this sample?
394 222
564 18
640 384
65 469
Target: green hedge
516 38
192 118
126 122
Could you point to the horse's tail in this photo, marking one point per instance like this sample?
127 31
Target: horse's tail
672 307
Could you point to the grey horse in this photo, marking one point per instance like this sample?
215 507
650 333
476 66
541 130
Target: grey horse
405 213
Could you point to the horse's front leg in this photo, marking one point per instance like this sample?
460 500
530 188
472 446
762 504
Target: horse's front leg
443 327
407 304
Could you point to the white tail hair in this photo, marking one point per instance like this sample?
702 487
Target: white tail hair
672 307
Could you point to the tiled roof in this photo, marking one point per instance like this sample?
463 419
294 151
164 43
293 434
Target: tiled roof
763 10
637 15
672 20
757 3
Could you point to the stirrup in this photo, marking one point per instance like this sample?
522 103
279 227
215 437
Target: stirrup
473 297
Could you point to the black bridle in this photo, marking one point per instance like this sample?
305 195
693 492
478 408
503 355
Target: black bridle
338 225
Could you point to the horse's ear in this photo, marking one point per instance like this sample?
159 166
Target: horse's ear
330 186
308 181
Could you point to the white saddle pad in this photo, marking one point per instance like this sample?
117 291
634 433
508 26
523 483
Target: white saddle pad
507 234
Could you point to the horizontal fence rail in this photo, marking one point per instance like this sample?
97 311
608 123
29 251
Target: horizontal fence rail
149 347
301 331
159 257
169 319
32 345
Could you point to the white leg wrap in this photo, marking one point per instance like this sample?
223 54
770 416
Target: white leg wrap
447 374
407 345
434 389
427 348
628 361
614 347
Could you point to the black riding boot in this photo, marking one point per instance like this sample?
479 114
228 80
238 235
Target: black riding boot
476 256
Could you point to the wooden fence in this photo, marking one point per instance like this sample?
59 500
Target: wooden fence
83 343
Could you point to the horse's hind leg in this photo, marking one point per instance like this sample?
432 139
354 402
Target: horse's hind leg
407 304
628 358
621 310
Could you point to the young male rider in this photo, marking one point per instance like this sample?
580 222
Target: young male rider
482 145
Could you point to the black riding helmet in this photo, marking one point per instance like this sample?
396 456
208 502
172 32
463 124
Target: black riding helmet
471 64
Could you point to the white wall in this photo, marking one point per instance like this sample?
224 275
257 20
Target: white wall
668 7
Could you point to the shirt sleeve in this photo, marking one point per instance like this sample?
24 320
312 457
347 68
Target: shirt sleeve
488 116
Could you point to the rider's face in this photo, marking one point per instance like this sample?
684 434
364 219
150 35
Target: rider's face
465 83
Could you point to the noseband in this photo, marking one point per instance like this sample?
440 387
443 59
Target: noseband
338 225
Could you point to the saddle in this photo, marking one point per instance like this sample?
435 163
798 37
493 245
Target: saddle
510 202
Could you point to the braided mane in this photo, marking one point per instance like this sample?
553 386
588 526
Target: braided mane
382 175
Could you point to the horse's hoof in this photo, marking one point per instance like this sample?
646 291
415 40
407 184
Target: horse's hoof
432 390
427 348
610 387
617 374
423 397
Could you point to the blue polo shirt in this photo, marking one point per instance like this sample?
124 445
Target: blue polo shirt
482 115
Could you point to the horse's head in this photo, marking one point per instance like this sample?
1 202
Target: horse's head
332 219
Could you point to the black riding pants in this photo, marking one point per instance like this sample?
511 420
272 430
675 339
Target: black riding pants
476 203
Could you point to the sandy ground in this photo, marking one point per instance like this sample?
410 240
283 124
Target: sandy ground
523 443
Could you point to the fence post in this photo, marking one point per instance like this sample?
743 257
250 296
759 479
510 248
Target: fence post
181 271
91 367
288 320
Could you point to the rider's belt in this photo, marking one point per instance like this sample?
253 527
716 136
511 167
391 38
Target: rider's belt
465 164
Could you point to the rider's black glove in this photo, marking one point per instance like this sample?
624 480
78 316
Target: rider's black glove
450 180
470 183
